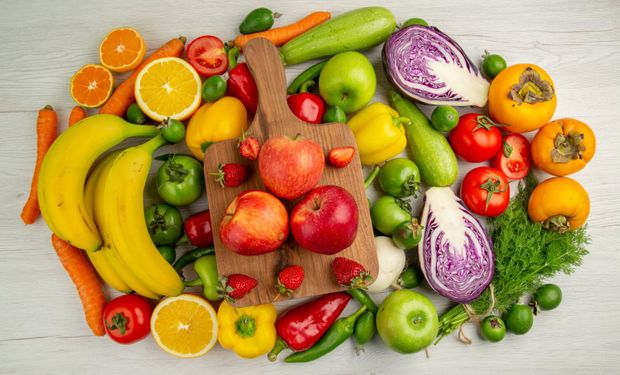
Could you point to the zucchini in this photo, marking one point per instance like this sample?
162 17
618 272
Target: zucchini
356 30
429 148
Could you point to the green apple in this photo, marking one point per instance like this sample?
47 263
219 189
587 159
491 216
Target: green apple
407 321
348 81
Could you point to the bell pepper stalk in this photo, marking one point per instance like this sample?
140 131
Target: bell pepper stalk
306 106
206 269
247 331
198 230
302 326
338 333
191 257
379 132
371 177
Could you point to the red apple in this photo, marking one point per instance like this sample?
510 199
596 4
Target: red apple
255 223
290 167
325 221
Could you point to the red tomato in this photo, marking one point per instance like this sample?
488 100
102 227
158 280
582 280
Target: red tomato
513 158
485 191
207 55
476 138
127 318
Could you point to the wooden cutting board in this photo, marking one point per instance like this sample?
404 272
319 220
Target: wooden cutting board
274 118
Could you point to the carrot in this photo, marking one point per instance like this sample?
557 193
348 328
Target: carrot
85 279
281 35
47 126
123 96
77 113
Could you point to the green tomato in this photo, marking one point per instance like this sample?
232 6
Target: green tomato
135 114
411 277
519 319
164 223
493 328
414 21
168 252
399 177
388 212
492 65
407 235
213 88
444 118
180 180
335 114
548 297
173 130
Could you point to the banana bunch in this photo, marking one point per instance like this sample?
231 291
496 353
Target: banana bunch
104 213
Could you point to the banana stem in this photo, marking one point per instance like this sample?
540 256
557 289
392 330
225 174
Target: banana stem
154 143
133 130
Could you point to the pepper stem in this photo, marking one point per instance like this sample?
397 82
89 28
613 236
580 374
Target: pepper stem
306 85
195 282
245 326
371 177
353 317
398 121
277 348
557 223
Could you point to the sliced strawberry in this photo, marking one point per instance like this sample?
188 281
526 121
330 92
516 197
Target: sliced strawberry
340 157
249 147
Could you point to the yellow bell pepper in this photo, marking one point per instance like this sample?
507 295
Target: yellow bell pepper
223 119
248 331
379 133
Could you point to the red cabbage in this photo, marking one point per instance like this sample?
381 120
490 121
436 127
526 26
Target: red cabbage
456 252
425 64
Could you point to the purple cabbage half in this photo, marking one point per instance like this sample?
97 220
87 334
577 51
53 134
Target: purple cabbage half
425 64
456 252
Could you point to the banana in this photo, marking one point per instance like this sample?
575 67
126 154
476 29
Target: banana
96 204
64 170
123 210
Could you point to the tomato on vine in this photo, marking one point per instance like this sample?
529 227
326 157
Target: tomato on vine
476 138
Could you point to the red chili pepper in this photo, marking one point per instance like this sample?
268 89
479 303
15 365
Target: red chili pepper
302 326
198 229
241 85
306 106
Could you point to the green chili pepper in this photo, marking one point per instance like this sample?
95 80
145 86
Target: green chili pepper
335 114
365 328
168 252
341 330
364 299
206 269
191 257
309 74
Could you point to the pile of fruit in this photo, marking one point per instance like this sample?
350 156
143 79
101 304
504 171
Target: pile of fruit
481 250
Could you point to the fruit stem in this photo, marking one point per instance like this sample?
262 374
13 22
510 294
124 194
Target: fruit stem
133 130
277 348
154 143
195 282
371 177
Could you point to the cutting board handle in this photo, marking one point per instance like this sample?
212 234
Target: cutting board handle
267 69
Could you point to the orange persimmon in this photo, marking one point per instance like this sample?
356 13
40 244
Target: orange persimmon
560 204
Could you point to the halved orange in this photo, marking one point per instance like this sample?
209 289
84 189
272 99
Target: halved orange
122 50
91 86
168 88
184 326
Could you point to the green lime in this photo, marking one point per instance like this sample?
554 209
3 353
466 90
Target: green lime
493 328
519 319
414 21
492 65
444 118
548 297
135 114
173 130
213 88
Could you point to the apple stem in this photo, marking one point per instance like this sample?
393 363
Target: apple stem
371 177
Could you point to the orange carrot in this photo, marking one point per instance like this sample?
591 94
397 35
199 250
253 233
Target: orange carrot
77 113
85 279
47 126
123 96
281 35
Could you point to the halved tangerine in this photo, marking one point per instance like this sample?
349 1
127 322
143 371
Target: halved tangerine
91 86
122 50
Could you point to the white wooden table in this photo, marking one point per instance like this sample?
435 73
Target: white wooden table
42 329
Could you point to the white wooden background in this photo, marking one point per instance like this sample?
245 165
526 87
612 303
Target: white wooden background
43 42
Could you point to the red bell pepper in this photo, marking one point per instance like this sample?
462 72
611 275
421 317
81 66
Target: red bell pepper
198 230
302 326
241 84
306 106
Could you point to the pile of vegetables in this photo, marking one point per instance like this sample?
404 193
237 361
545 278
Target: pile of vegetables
486 270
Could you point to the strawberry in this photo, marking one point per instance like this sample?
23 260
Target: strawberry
231 174
350 273
289 279
249 147
340 157
236 286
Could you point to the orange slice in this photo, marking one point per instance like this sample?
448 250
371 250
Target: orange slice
122 50
91 86
184 326
168 88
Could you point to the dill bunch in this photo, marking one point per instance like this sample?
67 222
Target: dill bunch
525 255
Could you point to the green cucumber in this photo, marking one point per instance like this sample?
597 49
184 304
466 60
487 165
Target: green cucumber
430 150
352 31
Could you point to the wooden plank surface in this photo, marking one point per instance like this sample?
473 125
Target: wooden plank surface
272 119
42 330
